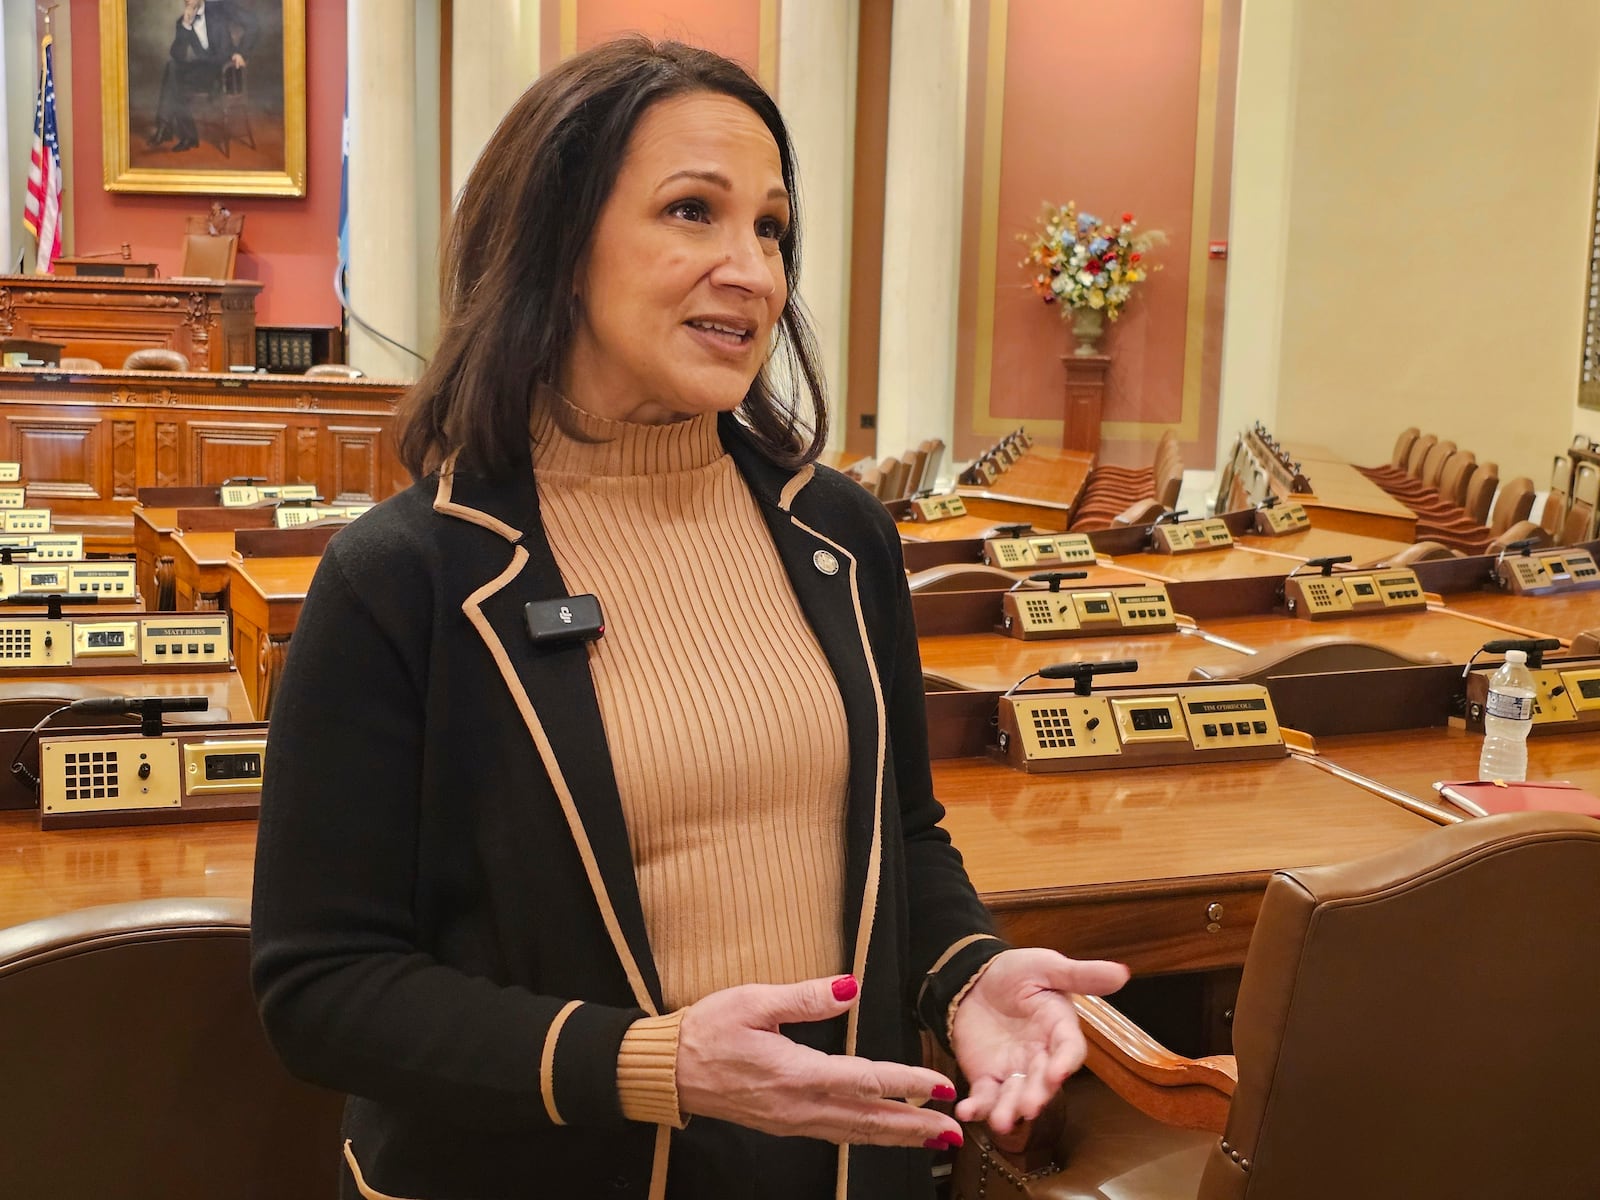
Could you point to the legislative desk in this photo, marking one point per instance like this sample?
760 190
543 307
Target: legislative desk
211 322
1344 500
200 561
1233 563
1411 761
153 530
89 441
953 529
264 596
1159 867
1436 633
993 661
1324 543
1559 616
1041 487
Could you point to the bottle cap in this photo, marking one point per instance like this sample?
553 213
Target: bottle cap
1517 657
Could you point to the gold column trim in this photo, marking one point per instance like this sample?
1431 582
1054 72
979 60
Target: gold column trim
767 47
569 28
1188 427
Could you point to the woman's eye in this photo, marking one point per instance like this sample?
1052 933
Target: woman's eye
689 210
771 228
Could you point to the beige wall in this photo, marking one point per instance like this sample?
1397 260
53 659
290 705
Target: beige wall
1438 201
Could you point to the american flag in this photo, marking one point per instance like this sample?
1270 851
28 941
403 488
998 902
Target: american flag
41 212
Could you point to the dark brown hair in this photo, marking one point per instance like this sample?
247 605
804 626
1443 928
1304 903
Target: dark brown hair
517 242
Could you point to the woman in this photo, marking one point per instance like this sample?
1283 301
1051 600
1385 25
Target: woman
536 886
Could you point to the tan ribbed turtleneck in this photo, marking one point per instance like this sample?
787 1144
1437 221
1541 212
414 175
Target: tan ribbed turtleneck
723 719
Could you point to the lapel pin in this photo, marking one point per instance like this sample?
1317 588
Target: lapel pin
825 562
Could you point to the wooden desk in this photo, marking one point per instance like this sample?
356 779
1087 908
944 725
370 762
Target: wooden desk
1127 864
88 442
210 322
1233 563
1346 501
993 662
1324 543
1564 615
1412 760
152 549
200 560
1041 488
954 529
1435 631
264 596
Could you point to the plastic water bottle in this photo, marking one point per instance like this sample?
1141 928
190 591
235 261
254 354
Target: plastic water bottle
1506 720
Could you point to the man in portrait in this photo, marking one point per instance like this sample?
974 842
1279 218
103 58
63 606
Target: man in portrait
211 42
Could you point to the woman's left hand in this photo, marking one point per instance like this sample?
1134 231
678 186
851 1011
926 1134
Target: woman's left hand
1016 1034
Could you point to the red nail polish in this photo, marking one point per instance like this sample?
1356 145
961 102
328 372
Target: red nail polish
943 1091
952 1140
845 988
933 1144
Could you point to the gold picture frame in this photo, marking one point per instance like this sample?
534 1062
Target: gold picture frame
178 119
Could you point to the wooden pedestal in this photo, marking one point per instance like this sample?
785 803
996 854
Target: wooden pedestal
1086 395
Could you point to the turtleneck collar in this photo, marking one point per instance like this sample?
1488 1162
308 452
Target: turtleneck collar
569 441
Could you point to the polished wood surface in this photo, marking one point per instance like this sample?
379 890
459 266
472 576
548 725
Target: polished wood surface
1432 632
1083 401
992 661
1233 563
954 529
152 549
1128 864
1413 760
211 322
1041 487
264 596
1561 615
1346 501
1325 543
200 568
88 442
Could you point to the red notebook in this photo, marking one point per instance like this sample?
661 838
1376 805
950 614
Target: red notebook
1482 797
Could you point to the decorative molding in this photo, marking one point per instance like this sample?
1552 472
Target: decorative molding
124 460
167 454
305 455
100 299
7 311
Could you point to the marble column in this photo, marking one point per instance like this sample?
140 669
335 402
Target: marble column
816 90
494 56
383 200
922 223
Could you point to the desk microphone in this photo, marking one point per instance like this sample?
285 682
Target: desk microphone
1054 578
1081 673
1327 564
1535 648
1168 518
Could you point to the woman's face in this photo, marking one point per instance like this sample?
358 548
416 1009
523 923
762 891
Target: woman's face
682 281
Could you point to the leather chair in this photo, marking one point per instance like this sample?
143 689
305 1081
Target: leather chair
334 371
1397 460
1416 1024
155 358
1580 523
80 364
1474 512
1423 487
1512 504
1411 469
135 1065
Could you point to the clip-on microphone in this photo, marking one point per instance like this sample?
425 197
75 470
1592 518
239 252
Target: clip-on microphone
553 623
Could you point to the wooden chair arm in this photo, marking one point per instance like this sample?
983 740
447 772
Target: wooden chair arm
1193 1093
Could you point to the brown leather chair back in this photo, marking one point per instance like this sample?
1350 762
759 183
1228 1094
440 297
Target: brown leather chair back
136 1067
334 371
934 449
1457 473
155 358
1480 493
1513 504
1421 1023
1402 447
1433 463
1419 454
1140 512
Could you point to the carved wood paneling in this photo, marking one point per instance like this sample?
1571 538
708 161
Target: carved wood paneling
60 456
355 462
167 454
220 450
306 467
124 459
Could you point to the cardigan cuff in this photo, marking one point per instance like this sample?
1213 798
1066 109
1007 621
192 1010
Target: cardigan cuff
950 978
647 1071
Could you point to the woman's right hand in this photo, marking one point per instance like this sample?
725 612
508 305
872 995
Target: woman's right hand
734 1065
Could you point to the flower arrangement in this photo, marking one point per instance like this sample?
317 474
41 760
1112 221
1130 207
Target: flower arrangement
1080 262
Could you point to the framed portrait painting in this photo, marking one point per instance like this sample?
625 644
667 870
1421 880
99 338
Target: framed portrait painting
204 96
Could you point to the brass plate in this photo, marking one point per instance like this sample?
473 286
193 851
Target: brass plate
74 780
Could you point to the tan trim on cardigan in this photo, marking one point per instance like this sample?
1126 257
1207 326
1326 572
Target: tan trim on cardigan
442 503
939 963
472 607
547 1060
792 488
869 899
370 1193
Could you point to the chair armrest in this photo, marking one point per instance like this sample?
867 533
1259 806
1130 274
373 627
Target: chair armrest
1193 1093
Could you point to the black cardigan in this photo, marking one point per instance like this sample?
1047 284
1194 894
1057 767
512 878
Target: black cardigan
446 921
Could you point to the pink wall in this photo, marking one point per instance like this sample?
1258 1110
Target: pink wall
730 27
1100 107
289 243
